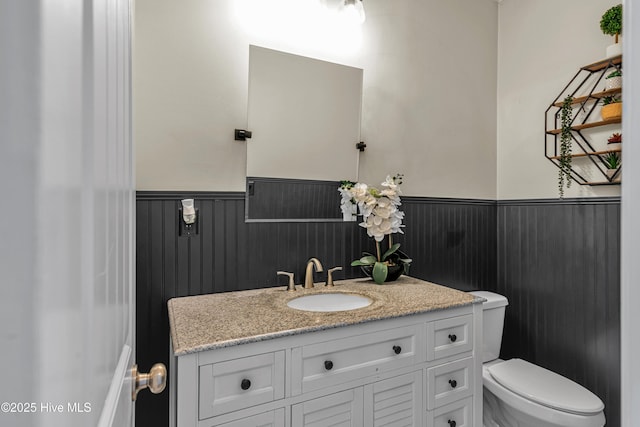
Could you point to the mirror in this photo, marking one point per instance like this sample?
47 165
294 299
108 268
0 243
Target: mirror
304 115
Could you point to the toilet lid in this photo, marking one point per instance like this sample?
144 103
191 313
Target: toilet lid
545 387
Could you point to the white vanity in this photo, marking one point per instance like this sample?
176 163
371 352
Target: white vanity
246 359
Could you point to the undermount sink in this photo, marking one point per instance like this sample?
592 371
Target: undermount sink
330 302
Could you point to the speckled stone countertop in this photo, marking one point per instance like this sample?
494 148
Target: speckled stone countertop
206 322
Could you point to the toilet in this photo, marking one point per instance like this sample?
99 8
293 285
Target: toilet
517 393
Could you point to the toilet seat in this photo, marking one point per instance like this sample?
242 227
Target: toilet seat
545 387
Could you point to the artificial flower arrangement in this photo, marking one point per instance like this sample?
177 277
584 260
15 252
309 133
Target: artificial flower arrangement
381 217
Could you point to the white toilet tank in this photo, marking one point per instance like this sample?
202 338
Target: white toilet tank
492 323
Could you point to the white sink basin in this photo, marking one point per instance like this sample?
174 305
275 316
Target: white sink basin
329 302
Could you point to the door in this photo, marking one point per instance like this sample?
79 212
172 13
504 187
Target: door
67 188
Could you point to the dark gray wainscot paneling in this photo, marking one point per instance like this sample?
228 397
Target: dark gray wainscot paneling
452 242
558 264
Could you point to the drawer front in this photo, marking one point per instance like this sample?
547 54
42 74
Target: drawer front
458 414
240 383
448 337
449 382
334 362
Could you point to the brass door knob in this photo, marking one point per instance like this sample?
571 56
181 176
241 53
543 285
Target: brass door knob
155 380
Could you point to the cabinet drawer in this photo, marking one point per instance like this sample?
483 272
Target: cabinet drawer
448 337
329 363
240 383
449 382
458 414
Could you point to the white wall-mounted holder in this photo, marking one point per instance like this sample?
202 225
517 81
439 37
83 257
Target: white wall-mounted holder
188 218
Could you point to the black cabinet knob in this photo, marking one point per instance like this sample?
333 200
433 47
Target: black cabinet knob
397 349
453 337
451 423
245 384
328 365
453 383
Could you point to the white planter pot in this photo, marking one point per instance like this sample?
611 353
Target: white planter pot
611 172
614 82
614 50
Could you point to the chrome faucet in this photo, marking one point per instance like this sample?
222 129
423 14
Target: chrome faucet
308 275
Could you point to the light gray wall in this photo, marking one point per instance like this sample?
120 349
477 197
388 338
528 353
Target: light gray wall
429 100
630 291
541 45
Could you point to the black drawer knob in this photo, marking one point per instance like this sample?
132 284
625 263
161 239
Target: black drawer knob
451 423
453 383
245 384
397 349
453 337
328 365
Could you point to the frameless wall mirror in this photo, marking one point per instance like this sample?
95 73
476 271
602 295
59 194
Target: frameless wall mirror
304 115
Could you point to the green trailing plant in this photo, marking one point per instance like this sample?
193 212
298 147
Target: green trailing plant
612 160
611 22
564 160
616 73
611 100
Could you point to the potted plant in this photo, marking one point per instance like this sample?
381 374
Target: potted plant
611 24
564 160
611 107
612 162
614 80
392 264
614 141
381 217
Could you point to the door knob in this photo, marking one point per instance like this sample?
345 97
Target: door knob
156 379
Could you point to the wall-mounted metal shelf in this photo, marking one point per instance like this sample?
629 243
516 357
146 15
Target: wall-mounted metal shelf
587 89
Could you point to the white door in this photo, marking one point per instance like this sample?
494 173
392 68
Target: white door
67 245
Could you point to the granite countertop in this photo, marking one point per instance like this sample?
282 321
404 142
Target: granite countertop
206 322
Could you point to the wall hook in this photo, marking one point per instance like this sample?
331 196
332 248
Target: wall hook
241 134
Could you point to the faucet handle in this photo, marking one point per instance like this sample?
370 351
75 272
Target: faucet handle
330 277
292 283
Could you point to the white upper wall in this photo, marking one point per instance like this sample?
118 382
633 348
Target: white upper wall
429 97
542 44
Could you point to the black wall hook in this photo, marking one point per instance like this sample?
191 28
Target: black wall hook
242 135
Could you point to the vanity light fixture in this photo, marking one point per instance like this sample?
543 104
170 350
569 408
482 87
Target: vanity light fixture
353 10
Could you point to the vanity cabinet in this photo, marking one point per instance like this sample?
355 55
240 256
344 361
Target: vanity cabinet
418 370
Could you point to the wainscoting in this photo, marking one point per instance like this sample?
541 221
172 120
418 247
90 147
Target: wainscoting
452 242
558 264
556 261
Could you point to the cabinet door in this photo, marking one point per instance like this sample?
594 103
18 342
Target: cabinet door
343 409
268 419
394 402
